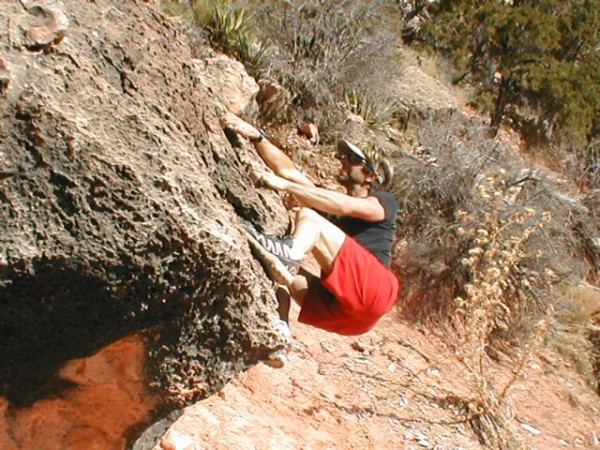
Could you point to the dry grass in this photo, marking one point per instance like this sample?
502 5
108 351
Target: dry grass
575 332
496 255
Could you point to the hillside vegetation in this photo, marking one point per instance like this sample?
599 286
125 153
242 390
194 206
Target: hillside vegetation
494 249
534 64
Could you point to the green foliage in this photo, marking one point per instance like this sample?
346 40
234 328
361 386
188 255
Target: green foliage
536 59
228 28
376 111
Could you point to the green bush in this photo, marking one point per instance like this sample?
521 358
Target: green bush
227 26
536 64
377 111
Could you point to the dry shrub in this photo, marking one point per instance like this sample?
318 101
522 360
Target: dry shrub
431 189
497 276
324 50
487 242
498 279
454 155
497 255
571 336
485 245
576 332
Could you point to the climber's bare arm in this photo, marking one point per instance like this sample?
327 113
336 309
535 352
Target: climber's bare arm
273 157
325 200
280 163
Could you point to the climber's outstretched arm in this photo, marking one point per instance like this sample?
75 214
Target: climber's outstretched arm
273 157
280 163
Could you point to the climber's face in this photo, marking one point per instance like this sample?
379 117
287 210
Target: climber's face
352 171
350 153
355 177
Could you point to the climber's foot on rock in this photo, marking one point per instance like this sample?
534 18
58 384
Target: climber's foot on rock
275 268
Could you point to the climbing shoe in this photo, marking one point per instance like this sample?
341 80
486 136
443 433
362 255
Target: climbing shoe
274 252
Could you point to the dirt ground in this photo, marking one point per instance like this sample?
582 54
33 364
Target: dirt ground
388 389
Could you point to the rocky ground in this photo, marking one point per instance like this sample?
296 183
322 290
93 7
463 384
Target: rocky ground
389 389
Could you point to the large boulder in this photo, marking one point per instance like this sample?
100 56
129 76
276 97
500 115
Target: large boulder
123 265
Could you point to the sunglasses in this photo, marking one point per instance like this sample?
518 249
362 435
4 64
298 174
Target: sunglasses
353 158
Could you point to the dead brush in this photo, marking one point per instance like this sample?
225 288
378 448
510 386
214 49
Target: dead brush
321 50
495 256
575 334
482 252
451 157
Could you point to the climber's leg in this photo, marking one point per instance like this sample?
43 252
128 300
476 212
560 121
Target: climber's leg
313 233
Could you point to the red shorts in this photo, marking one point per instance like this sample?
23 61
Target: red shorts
354 296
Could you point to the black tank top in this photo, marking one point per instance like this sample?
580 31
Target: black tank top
378 237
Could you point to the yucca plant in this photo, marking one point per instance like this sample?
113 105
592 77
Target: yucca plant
376 112
204 11
227 26
253 53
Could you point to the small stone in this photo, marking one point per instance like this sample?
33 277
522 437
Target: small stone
392 367
176 441
424 442
309 130
363 360
359 346
533 430
47 29
435 372
563 443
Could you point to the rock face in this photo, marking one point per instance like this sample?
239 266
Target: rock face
121 206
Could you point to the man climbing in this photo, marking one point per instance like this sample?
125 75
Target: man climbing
356 287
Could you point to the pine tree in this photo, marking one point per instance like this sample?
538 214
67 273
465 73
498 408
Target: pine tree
531 58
